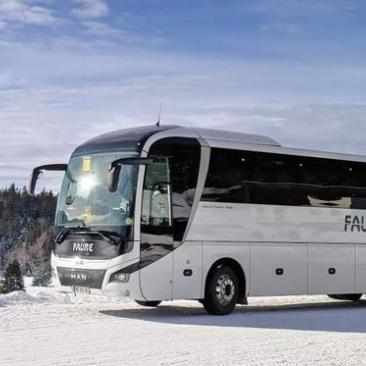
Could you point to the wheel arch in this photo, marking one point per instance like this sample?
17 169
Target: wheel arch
239 272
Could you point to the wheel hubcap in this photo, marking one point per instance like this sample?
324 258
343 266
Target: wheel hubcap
225 289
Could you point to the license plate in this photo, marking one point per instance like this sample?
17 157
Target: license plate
82 290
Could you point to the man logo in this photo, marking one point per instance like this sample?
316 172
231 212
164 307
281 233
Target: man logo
83 247
78 276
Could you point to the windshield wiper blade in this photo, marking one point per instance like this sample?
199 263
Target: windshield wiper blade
108 236
60 237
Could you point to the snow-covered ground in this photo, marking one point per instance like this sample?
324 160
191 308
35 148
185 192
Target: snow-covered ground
42 328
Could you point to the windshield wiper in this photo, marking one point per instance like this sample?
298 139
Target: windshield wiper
107 235
60 237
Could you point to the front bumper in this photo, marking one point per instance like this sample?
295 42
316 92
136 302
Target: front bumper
69 273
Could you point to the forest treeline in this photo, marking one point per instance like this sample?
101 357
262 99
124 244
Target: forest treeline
26 231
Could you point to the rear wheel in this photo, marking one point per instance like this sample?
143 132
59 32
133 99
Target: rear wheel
221 293
150 304
349 297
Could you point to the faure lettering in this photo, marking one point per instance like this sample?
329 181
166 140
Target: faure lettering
83 247
354 223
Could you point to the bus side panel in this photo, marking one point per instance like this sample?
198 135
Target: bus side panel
278 269
360 252
216 250
156 279
187 276
331 268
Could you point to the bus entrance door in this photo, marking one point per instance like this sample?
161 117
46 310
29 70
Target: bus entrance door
156 239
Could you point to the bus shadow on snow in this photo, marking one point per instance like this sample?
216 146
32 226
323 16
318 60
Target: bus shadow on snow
334 316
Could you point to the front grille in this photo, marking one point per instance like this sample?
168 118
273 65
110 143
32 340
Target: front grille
81 277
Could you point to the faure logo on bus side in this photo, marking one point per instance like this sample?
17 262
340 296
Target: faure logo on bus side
355 223
83 247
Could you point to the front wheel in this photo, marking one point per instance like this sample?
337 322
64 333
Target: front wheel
349 297
150 304
221 293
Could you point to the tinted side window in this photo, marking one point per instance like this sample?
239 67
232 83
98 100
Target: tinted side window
277 179
184 160
225 180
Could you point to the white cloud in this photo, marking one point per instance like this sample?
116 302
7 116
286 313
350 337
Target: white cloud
328 127
90 9
104 30
21 11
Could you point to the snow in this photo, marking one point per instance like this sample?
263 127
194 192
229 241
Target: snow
41 327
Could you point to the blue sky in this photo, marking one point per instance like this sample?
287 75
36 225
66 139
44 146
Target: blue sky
71 69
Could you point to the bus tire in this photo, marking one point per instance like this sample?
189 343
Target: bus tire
221 293
150 304
349 297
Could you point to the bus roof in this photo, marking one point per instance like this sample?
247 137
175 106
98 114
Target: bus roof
133 139
129 139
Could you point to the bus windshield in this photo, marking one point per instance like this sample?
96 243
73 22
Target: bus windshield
84 199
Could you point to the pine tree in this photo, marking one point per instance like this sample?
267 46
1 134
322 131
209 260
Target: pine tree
13 279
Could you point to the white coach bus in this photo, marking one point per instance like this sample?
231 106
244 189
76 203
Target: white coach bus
161 213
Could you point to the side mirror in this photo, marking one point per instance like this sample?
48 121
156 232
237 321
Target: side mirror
112 178
115 170
38 170
33 180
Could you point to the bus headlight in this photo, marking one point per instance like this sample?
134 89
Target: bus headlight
119 276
